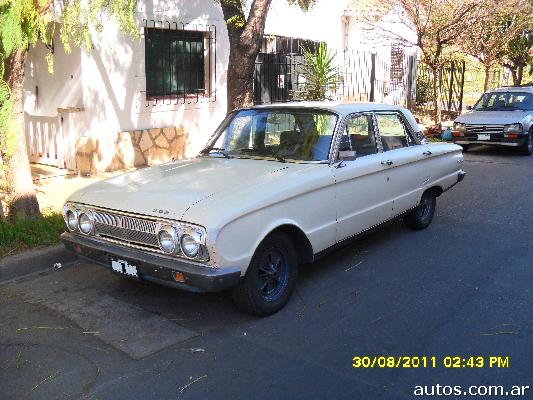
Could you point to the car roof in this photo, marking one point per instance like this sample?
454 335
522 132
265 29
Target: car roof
343 107
526 89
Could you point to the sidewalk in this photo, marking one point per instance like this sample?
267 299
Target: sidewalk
55 185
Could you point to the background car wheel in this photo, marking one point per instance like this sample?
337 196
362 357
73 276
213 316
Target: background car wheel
527 148
270 278
465 147
421 217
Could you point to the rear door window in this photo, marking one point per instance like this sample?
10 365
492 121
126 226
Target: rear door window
393 132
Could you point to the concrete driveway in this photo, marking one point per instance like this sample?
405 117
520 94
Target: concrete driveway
462 287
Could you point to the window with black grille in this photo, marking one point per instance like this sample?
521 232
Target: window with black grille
175 62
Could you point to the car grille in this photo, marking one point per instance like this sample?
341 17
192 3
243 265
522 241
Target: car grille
484 129
125 229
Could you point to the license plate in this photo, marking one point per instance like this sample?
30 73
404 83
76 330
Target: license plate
483 137
125 268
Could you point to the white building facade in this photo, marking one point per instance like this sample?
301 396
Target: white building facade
131 102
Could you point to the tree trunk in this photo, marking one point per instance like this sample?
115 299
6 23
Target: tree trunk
516 74
240 78
22 199
519 75
437 94
245 42
487 78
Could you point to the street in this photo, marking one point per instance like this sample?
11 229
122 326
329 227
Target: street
462 287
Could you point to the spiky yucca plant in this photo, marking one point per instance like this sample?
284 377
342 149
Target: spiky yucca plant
320 72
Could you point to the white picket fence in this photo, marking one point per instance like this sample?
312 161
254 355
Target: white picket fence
45 140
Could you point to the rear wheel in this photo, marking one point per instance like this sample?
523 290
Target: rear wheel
270 279
421 217
527 148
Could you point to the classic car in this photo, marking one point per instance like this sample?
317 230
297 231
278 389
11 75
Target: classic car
502 117
275 187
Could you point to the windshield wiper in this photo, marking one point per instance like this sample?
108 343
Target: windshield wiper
216 150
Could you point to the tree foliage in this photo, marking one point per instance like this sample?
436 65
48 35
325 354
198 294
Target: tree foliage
493 42
22 24
517 55
439 26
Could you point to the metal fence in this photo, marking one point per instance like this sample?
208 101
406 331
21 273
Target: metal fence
452 79
364 76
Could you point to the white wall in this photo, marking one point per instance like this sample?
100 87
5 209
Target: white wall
45 92
114 77
323 22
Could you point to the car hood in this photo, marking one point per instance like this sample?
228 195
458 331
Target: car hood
493 117
169 190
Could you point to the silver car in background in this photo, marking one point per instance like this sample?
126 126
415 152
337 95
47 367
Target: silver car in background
502 117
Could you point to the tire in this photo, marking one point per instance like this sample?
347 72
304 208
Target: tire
421 216
270 279
527 148
465 147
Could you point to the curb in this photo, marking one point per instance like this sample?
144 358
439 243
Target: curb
34 260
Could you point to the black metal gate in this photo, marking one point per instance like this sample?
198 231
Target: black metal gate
275 77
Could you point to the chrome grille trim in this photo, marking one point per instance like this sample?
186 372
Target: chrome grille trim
484 129
125 222
126 230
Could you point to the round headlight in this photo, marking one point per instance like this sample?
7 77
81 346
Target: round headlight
71 219
189 245
85 223
168 239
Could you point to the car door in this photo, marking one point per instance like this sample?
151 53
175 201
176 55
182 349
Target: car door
361 181
402 161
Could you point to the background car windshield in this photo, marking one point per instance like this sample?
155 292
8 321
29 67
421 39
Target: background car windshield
501 101
291 134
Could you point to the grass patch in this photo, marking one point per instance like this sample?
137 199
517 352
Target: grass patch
24 234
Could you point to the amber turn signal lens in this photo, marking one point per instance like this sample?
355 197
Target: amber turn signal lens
178 277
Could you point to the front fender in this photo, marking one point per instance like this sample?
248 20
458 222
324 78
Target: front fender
237 241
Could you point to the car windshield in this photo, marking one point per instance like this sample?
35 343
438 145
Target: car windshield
289 134
503 101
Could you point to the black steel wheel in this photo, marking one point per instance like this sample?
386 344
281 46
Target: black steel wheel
270 278
421 217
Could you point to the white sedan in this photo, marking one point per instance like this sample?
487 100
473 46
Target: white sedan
275 187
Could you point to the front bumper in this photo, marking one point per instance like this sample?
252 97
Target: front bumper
495 140
153 267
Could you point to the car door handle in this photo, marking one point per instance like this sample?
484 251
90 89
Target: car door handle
388 162
427 153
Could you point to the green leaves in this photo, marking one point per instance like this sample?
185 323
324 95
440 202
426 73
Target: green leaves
305 5
319 72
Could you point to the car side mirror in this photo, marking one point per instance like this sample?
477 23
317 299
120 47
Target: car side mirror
469 108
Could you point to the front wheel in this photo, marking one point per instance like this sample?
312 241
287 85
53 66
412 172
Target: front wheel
527 148
421 216
270 278
465 147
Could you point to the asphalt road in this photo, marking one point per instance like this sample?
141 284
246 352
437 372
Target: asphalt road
463 287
